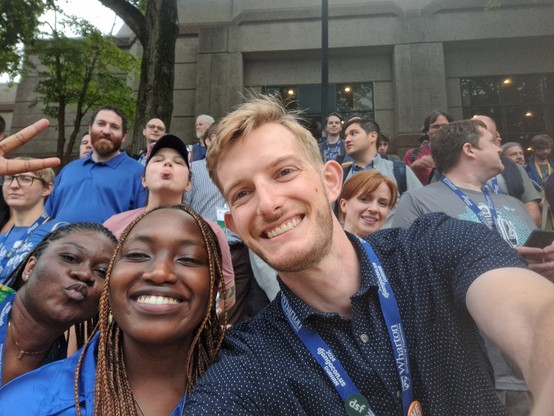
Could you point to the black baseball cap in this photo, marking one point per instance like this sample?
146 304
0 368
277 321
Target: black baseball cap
173 142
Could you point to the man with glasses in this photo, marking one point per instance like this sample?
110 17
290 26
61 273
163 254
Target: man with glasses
104 183
154 129
513 180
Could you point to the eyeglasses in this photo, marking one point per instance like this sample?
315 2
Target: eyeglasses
22 180
154 126
436 126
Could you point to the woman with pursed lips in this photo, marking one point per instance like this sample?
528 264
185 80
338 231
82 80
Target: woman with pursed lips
365 201
158 329
56 287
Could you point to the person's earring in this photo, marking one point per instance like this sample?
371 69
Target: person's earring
25 276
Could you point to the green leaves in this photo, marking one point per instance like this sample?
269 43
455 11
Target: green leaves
79 74
19 21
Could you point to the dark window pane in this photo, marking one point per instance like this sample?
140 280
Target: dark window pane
549 88
355 97
309 98
346 99
521 89
525 119
522 106
288 95
479 91
363 97
549 118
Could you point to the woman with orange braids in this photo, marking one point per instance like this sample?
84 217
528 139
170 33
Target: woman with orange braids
158 328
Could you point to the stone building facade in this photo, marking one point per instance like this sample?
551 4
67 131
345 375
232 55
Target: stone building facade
392 60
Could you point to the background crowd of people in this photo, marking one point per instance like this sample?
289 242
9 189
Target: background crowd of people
254 214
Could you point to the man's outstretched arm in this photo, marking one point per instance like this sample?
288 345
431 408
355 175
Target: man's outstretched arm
515 308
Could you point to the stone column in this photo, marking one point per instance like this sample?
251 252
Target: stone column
419 79
219 76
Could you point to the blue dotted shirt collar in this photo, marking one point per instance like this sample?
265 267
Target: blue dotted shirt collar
368 281
113 163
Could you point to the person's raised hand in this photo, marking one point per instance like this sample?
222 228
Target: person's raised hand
9 144
424 162
540 260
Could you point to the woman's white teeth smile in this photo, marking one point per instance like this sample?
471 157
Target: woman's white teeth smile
372 219
157 300
283 228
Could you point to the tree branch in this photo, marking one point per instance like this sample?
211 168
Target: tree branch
131 15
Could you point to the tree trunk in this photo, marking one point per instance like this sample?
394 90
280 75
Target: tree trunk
61 128
79 112
157 31
155 92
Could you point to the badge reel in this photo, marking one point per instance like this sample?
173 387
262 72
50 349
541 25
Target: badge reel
415 409
220 215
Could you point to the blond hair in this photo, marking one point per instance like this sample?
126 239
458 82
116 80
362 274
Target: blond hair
47 175
254 113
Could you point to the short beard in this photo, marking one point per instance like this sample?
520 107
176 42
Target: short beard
105 149
301 261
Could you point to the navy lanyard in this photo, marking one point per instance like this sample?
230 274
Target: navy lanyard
331 365
333 151
467 200
4 319
27 233
495 187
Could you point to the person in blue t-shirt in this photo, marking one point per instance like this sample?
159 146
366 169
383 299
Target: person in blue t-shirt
165 332
56 287
104 183
27 223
